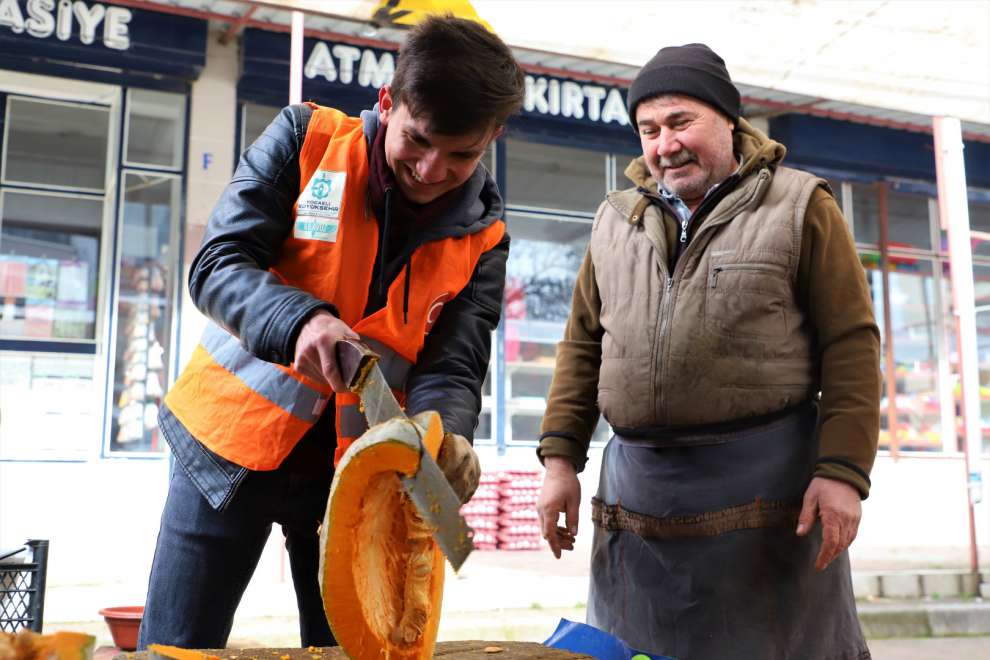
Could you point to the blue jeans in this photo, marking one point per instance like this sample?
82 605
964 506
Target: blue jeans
205 558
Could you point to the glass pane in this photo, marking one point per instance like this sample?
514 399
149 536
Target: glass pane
908 220
484 430
866 212
553 177
150 211
49 265
915 320
255 120
542 268
49 405
155 128
979 225
54 144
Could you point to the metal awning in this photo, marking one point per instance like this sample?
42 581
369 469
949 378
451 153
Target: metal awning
886 63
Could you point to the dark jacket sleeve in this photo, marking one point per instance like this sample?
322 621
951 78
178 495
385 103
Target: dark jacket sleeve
451 367
229 279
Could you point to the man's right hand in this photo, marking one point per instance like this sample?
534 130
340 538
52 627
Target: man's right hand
316 349
560 493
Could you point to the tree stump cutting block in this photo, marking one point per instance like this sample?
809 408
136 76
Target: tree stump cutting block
459 650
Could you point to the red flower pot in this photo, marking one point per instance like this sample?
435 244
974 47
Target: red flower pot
124 623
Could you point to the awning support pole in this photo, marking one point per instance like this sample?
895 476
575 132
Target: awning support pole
953 211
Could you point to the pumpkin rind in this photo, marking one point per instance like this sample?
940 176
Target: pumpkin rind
366 545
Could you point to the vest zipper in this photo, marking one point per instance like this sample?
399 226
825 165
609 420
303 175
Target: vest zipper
667 305
684 228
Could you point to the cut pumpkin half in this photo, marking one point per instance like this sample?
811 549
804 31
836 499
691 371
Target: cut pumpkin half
381 572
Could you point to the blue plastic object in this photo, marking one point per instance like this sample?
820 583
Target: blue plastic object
582 638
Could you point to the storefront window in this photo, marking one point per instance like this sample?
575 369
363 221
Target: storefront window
49 261
551 177
254 120
50 406
909 220
55 144
149 220
979 225
866 214
915 320
155 128
981 282
543 266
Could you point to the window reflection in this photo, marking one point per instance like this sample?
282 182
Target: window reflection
56 144
915 320
552 177
144 311
542 268
49 258
909 221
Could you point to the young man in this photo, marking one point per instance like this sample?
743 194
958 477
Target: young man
750 301
383 227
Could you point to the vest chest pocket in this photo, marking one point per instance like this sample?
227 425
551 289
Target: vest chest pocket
747 300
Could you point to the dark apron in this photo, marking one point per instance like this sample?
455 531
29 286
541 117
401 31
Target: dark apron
695 556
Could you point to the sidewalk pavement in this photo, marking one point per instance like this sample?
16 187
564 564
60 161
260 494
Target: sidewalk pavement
520 596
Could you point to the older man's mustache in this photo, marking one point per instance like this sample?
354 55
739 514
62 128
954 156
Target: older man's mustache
682 157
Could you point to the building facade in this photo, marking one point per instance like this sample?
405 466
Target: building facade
120 127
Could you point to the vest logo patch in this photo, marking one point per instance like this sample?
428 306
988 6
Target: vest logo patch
318 210
435 308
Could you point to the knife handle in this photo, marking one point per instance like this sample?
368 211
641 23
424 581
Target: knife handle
354 359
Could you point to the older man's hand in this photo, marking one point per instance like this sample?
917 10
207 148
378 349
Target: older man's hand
559 494
459 463
838 506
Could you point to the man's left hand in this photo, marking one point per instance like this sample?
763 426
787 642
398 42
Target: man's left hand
459 463
839 507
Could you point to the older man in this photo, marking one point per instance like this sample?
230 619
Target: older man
722 323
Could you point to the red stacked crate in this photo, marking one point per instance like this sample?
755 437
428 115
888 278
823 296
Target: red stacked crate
518 523
482 511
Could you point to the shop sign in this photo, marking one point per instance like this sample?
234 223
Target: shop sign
91 22
350 65
568 98
337 64
100 41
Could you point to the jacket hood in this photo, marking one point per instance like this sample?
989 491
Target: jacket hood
750 143
477 205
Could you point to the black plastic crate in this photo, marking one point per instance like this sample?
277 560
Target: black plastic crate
22 587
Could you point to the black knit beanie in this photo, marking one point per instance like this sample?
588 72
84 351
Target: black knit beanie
692 70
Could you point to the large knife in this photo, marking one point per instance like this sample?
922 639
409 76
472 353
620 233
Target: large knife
430 492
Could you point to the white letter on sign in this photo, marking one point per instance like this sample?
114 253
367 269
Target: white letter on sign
41 23
11 16
89 18
320 63
347 55
115 33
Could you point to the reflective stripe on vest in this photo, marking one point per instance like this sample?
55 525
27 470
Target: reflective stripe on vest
265 378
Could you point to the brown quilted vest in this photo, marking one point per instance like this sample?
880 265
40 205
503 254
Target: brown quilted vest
720 338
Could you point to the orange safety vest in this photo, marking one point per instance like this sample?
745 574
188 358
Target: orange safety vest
253 412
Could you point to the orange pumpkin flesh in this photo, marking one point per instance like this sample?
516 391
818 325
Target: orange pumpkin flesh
369 535
163 652
61 645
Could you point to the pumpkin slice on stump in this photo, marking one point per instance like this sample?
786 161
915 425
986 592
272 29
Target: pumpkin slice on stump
381 572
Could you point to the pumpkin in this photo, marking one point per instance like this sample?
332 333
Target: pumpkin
163 652
28 645
381 572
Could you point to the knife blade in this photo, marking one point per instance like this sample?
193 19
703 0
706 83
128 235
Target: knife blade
428 489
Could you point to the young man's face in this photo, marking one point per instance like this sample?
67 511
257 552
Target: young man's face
427 165
687 145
